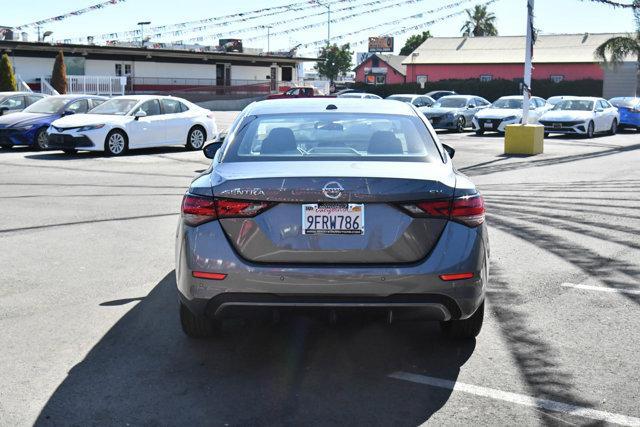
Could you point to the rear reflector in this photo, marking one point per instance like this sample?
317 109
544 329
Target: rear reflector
210 276
468 210
456 276
197 210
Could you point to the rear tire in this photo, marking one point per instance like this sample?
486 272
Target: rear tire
115 143
196 326
614 127
40 139
467 328
196 138
460 124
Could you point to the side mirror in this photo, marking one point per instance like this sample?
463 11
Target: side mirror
68 112
211 149
3 110
140 113
450 151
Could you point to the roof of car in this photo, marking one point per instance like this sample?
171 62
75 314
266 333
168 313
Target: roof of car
17 93
581 98
77 96
344 105
460 96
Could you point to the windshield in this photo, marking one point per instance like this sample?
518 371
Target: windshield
625 102
49 105
401 98
574 105
351 95
510 103
451 102
332 136
116 107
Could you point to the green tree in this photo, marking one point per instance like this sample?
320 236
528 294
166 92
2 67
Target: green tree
413 42
7 78
479 23
59 74
334 61
617 49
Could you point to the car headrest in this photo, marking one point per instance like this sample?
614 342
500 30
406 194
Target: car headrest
279 141
384 142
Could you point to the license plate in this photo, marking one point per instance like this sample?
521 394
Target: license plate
333 218
488 125
557 125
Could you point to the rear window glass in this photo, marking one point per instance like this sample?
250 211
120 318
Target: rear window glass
332 136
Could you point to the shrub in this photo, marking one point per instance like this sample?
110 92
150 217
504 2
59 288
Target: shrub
59 74
7 78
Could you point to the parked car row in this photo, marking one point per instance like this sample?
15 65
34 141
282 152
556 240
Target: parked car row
93 123
13 102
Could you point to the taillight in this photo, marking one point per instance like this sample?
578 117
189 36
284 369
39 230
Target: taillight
468 210
197 210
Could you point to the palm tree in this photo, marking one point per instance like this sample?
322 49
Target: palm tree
617 49
479 23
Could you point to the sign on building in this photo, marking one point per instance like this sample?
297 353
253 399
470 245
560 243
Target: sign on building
231 45
380 44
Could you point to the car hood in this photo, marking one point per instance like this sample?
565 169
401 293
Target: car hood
567 115
439 111
498 113
77 120
24 119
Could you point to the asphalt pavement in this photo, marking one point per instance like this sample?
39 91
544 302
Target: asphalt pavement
90 331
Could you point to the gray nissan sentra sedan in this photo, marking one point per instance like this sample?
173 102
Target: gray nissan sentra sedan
330 205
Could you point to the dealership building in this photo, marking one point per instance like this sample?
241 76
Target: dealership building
381 68
157 69
556 57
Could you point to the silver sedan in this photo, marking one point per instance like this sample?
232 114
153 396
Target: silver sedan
331 205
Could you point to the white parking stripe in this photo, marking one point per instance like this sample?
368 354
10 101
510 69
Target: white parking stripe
520 399
601 289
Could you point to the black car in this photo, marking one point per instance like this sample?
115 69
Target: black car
437 94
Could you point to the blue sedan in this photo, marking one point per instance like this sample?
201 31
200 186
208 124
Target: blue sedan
29 127
629 108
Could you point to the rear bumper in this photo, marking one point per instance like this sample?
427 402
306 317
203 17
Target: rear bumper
409 289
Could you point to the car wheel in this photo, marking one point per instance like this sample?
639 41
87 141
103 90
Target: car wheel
460 124
467 328
590 130
40 139
614 127
196 138
116 143
196 326
480 132
70 151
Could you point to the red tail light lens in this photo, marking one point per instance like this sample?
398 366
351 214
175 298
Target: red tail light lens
197 210
456 276
468 210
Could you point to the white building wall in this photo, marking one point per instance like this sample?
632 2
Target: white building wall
30 69
173 70
96 67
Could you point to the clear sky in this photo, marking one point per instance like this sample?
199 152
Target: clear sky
552 16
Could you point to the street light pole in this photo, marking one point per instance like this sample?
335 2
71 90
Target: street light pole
526 87
142 24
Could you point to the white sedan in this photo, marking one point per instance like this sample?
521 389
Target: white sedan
507 111
581 115
359 95
136 121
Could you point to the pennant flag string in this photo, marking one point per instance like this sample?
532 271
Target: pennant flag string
69 14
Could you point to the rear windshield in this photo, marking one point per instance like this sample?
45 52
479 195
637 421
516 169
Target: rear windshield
625 102
332 136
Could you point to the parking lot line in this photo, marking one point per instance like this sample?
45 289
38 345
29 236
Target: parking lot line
520 399
601 289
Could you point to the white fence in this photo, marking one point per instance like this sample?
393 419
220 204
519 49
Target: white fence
92 85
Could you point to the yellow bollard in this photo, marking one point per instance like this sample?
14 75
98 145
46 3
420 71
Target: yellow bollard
527 139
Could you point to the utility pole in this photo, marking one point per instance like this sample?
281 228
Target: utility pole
526 87
328 6
142 24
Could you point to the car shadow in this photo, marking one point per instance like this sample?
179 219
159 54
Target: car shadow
299 371
82 155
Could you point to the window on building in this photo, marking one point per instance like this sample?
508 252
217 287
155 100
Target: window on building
118 69
371 80
556 78
287 74
486 77
127 69
380 80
